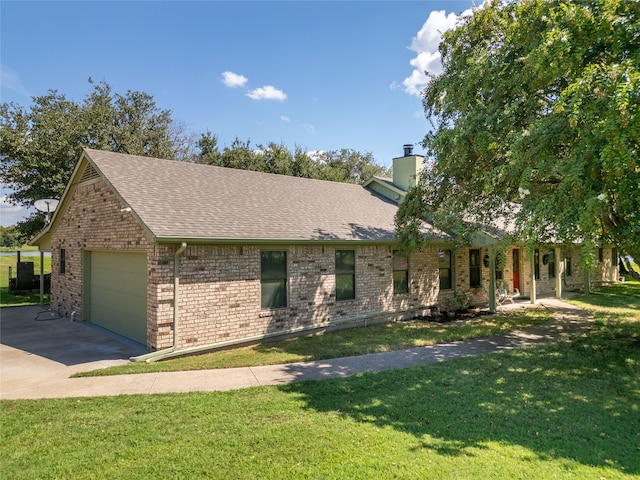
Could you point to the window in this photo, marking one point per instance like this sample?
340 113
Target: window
474 268
501 263
614 257
552 263
444 269
567 265
400 273
345 274
600 255
536 263
63 261
273 279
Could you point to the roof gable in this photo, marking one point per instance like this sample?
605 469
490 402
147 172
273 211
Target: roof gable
178 200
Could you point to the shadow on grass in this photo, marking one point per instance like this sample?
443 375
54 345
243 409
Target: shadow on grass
618 296
576 400
630 288
402 335
607 300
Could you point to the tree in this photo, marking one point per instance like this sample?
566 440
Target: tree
537 105
40 146
240 155
208 149
129 123
343 165
277 159
347 165
303 165
10 237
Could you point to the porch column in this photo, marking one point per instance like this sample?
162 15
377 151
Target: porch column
587 258
532 293
492 281
559 272
587 281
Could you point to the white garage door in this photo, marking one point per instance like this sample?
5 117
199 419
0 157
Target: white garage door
118 293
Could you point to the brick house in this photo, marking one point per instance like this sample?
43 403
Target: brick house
186 257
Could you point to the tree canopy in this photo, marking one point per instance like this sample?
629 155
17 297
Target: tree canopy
40 145
10 237
344 165
536 118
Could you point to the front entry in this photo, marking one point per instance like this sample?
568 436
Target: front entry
516 269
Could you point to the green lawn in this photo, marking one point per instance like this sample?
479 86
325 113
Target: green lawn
9 300
565 410
342 343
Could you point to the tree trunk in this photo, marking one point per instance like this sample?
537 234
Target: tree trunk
627 264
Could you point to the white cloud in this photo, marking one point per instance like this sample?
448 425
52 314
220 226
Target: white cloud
234 80
267 93
285 119
11 214
425 44
309 128
10 80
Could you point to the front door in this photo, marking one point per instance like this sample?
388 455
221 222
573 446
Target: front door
516 269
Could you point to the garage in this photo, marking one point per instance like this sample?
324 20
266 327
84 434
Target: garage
117 293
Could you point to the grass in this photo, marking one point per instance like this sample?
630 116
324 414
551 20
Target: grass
33 298
564 410
341 343
613 302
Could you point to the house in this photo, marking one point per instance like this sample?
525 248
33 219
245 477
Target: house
186 257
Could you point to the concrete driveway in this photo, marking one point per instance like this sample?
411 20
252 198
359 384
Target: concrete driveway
39 348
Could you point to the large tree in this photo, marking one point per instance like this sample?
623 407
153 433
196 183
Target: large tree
343 165
40 145
536 117
348 165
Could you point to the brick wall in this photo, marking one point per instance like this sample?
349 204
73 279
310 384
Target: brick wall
607 270
93 221
220 291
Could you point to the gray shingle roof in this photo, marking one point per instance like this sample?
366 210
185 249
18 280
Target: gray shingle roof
191 201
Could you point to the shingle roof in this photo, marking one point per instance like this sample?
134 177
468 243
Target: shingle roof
186 200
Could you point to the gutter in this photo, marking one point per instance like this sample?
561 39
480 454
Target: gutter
172 352
157 355
271 241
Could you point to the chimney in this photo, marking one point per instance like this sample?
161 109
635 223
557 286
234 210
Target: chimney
407 168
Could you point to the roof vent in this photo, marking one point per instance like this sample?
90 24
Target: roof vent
89 174
408 149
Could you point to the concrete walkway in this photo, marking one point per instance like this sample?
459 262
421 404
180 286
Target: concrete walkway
40 351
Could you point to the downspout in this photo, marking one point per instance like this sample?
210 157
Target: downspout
149 357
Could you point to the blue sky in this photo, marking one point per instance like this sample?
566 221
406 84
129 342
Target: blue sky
318 75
